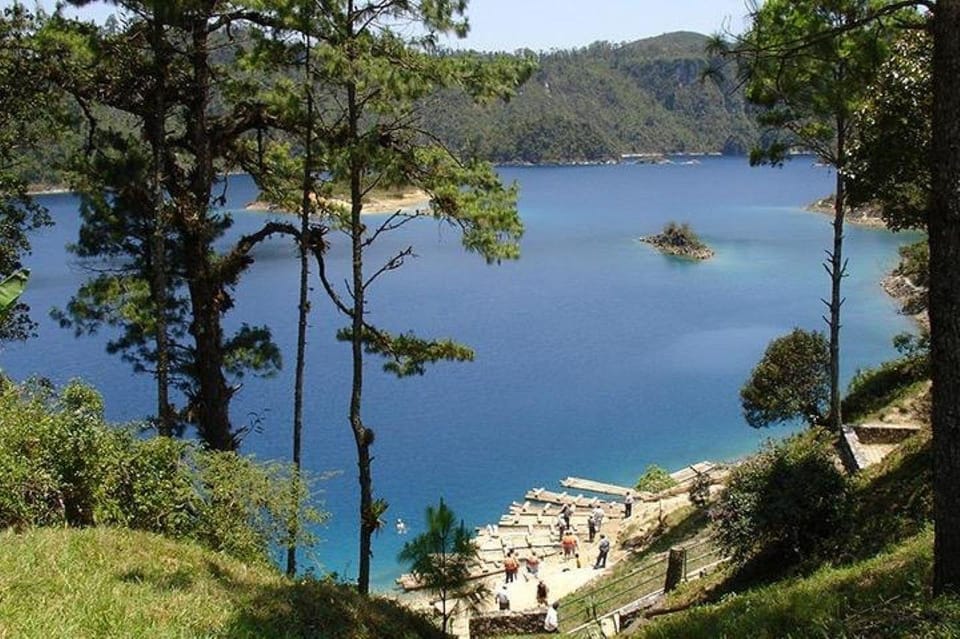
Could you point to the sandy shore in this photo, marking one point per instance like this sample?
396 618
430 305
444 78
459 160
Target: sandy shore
409 200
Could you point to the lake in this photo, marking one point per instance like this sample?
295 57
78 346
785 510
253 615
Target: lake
595 355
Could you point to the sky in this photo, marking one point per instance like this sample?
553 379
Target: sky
542 25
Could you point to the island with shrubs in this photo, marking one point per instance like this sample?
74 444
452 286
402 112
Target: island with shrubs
679 240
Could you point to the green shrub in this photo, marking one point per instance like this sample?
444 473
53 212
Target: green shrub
654 479
784 502
681 235
246 506
700 490
147 485
61 464
915 263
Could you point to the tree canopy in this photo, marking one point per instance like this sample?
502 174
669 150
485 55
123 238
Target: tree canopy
25 113
791 381
808 65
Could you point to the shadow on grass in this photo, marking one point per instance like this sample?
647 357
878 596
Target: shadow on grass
892 501
885 597
313 608
179 580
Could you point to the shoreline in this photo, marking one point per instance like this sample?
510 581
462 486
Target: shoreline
865 216
413 200
692 253
36 190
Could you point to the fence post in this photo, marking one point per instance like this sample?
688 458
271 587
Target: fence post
676 568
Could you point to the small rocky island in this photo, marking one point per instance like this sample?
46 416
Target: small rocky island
679 240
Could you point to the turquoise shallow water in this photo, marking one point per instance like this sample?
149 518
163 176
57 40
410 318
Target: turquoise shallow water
595 354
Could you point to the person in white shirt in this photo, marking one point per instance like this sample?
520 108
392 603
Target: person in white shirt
551 623
597 517
503 598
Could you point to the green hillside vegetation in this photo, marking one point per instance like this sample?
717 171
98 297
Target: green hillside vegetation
602 101
872 578
107 534
869 575
590 104
108 582
886 596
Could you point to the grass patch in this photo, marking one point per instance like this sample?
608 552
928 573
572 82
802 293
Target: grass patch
884 388
892 500
886 596
100 582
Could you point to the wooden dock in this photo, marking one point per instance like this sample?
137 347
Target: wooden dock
579 483
684 477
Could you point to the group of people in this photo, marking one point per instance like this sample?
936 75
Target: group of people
570 546
568 540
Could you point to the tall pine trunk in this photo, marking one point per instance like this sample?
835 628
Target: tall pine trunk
836 267
944 238
158 283
212 411
363 436
303 309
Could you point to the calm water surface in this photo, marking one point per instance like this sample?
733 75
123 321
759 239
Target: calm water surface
595 355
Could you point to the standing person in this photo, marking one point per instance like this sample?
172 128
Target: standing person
503 598
510 567
597 516
533 564
551 622
604 548
561 526
591 528
542 592
566 511
627 505
569 544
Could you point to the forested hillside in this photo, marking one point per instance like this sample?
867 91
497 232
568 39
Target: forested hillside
589 104
600 102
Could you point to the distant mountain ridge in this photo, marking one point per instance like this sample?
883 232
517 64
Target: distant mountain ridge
599 102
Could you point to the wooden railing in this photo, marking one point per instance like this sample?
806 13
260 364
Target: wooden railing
640 588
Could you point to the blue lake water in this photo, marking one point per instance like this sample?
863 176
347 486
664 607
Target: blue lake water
595 355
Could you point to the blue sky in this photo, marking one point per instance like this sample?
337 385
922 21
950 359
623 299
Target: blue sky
562 24
541 25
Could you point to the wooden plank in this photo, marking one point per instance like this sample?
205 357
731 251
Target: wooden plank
603 488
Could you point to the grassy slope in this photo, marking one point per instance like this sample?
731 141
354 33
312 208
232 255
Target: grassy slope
102 582
886 596
876 583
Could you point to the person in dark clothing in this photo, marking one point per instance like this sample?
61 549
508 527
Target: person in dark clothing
604 548
542 591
